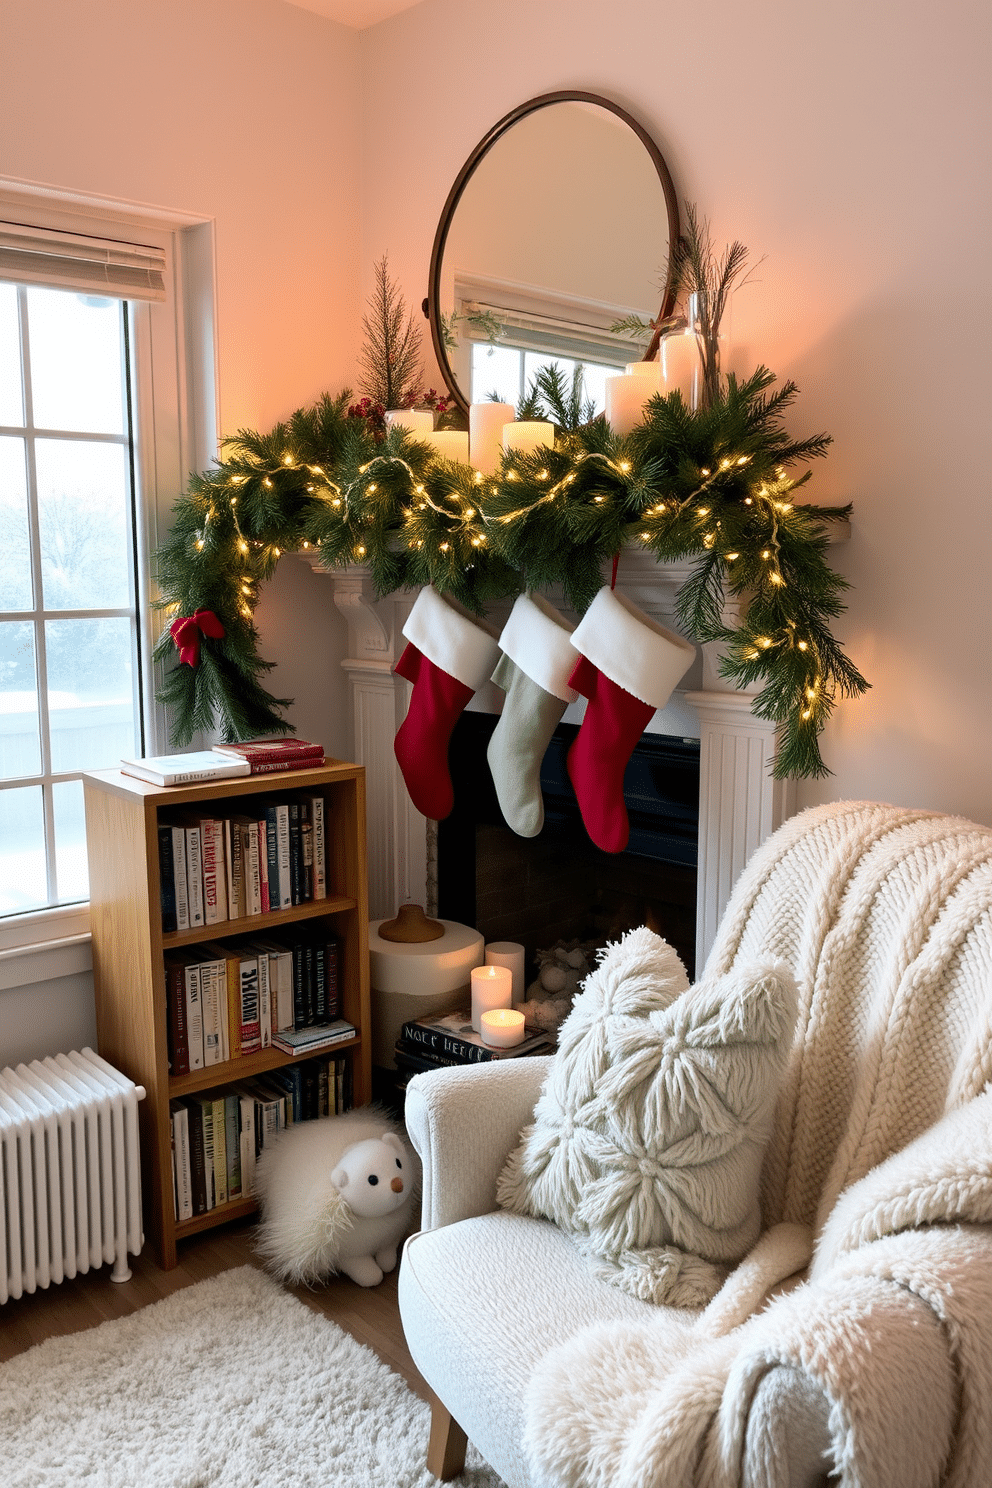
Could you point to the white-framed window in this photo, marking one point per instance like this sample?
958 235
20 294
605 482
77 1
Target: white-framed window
506 332
106 402
506 371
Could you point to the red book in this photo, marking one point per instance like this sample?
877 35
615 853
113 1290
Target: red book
277 767
274 751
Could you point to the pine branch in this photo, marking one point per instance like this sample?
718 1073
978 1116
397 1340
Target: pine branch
391 355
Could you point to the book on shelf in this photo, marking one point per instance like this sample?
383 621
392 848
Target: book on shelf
198 1168
234 864
185 769
268 756
276 814
311 1040
318 855
280 983
244 839
182 1173
199 835
214 870
177 1042
167 880
452 1036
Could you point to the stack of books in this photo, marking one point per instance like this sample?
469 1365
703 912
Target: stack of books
272 855
227 1000
449 1038
217 1136
269 756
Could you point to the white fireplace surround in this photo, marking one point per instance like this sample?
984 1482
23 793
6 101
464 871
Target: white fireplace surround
739 802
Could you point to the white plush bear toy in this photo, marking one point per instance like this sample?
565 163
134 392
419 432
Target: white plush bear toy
336 1195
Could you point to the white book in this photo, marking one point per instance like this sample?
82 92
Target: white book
253 870
246 1104
264 997
194 1016
213 1001
280 984
319 847
182 769
183 1172
194 876
179 876
282 856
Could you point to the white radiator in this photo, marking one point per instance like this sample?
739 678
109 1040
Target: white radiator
70 1180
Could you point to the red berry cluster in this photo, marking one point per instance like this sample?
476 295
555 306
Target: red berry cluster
366 409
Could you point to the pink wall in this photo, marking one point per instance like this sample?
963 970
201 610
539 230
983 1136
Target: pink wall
848 145
246 112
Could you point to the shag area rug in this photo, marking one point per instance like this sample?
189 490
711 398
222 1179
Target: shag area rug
231 1383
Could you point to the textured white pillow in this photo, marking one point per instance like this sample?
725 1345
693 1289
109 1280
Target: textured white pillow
649 1135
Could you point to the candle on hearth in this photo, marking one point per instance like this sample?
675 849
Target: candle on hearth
511 955
492 987
450 444
485 428
501 1028
528 435
626 399
416 421
680 365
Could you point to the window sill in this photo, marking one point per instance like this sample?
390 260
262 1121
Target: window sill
45 946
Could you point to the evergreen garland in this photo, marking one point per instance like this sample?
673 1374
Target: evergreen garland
711 484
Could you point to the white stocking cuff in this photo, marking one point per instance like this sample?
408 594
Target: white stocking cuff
459 646
539 641
631 649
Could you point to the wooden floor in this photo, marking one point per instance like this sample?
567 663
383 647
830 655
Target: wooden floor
370 1314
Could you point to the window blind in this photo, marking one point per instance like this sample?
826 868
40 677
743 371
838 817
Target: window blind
104 266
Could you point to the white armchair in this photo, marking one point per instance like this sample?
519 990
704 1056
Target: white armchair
855 1338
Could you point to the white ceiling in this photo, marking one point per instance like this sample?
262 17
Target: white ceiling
356 13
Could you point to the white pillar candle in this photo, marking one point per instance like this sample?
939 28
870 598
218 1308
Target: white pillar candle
501 1028
492 987
450 444
680 366
511 955
645 369
417 421
485 427
626 399
527 436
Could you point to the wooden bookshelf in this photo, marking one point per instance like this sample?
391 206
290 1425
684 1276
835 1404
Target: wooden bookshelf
122 820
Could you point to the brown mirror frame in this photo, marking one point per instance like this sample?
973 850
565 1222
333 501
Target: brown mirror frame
432 308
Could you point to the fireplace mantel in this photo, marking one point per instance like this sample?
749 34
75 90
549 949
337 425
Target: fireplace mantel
739 802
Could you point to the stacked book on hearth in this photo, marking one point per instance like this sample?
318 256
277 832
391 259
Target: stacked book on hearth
449 1038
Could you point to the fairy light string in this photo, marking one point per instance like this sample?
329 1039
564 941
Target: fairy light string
683 489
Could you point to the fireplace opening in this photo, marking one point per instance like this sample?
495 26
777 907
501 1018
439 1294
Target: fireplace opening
559 885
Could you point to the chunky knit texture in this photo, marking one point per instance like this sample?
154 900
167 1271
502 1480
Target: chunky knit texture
648 1138
882 1358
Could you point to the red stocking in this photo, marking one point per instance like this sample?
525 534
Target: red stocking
628 667
448 659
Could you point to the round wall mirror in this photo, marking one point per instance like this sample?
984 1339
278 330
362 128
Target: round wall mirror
557 228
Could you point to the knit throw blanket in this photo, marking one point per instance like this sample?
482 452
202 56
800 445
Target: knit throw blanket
877 1365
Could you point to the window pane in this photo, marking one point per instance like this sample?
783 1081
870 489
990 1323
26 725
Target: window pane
15 557
70 841
82 508
594 383
11 402
90 693
20 749
23 884
495 369
75 343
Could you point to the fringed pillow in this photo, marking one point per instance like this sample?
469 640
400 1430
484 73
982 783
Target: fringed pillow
650 1131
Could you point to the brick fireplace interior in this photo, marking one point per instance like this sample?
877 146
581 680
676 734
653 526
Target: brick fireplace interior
558 885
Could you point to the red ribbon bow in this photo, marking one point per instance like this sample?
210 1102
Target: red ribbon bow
186 633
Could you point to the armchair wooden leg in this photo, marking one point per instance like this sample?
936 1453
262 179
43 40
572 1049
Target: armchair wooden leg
447 1444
